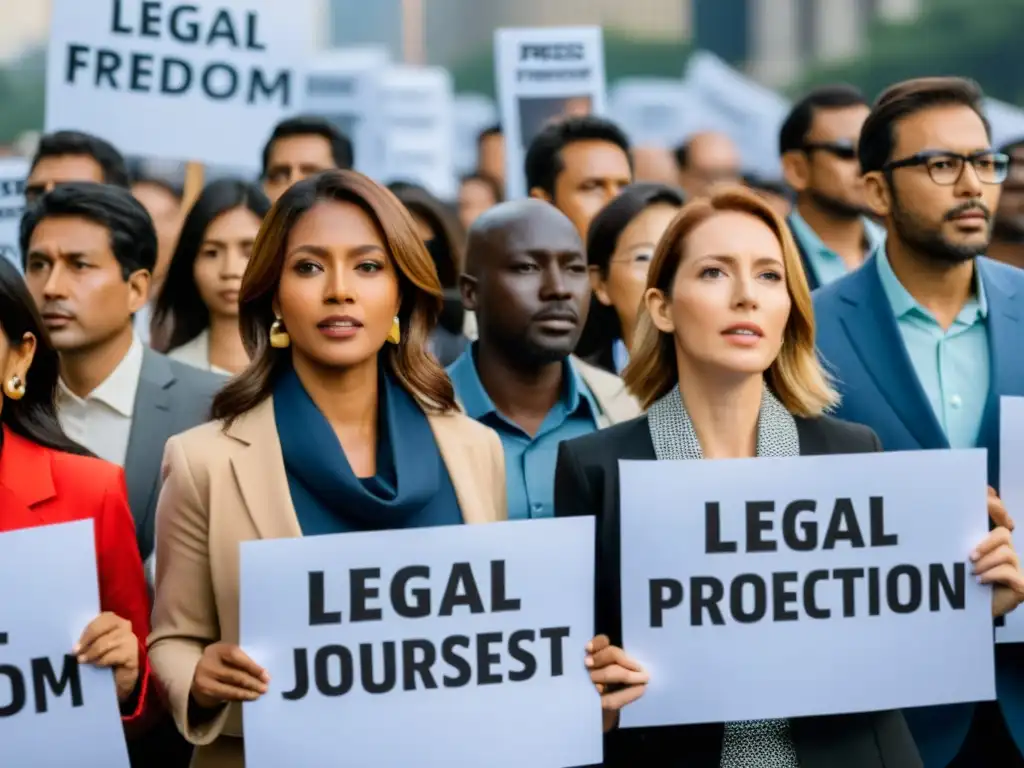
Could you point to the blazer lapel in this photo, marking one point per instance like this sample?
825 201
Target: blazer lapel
616 404
152 425
875 336
460 462
1006 361
259 471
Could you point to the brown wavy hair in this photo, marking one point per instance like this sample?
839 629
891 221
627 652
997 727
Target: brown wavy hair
796 376
409 360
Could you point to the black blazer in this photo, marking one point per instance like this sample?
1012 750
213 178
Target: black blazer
587 483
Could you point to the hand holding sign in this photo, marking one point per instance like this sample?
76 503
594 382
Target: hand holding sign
996 562
109 642
619 679
225 673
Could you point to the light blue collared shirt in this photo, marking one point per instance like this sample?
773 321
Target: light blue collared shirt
952 365
826 263
529 461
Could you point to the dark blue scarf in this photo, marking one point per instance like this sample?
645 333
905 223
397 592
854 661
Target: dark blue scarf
411 489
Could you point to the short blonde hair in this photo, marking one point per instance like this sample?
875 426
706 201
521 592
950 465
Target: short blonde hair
796 376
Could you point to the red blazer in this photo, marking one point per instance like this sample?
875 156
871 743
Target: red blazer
40 486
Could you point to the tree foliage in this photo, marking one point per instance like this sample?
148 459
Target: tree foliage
22 89
624 57
977 39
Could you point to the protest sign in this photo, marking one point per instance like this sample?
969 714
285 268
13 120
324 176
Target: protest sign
731 103
53 712
818 585
467 642
543 74
13 172
339 86
203 81
416 117
652 110
474 113
1011 491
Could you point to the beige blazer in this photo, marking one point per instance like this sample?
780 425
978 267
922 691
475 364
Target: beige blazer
616 404
223 487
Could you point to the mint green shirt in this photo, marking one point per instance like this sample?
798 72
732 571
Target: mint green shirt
826 263
952 365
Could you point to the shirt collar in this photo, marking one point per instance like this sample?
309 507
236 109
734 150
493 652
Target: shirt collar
903 303
118 390
477 403
874 236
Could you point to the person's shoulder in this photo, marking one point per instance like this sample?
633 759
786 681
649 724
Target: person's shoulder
469 431
625 440
1006 273
834 435
87 478
195 379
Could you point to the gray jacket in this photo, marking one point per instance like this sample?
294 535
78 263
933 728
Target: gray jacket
171 398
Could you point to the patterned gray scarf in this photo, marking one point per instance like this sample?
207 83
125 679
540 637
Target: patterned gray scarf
757 743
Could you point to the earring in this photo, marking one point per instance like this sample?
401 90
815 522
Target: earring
395 334
14 387
279 338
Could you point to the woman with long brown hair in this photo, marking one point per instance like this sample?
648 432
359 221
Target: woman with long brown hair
725 364
343 422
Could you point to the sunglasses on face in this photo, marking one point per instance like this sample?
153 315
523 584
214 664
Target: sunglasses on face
844 150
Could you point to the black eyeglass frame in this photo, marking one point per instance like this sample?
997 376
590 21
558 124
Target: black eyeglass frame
924 158
844 150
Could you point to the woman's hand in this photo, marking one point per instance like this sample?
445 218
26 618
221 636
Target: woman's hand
225 674
618 678
109 642
996 562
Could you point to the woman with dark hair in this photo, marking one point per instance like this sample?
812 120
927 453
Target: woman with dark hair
342 422
620 245
199 302
46 479
445 240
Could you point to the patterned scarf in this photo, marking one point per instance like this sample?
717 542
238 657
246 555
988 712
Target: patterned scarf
757 743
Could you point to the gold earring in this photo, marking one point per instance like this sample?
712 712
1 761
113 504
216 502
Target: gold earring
14 387
395 334
279 338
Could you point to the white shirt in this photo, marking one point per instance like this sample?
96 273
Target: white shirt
197 354
102 420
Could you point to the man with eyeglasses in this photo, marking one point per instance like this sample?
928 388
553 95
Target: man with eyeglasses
927 335
1008 232
818 145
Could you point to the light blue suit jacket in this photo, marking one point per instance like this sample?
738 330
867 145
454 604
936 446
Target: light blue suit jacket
861 345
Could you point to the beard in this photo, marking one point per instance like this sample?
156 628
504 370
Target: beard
836 207
929 241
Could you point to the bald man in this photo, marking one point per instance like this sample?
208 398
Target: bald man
526 280
705 159
656 165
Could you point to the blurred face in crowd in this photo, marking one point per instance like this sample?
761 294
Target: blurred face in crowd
78 284
164 208
729 304
491 156
936 212
475 197
655 164
338 293
593 173
223 255
622 288
530 291
1011 205
294 158
828 171
61 169
711 158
